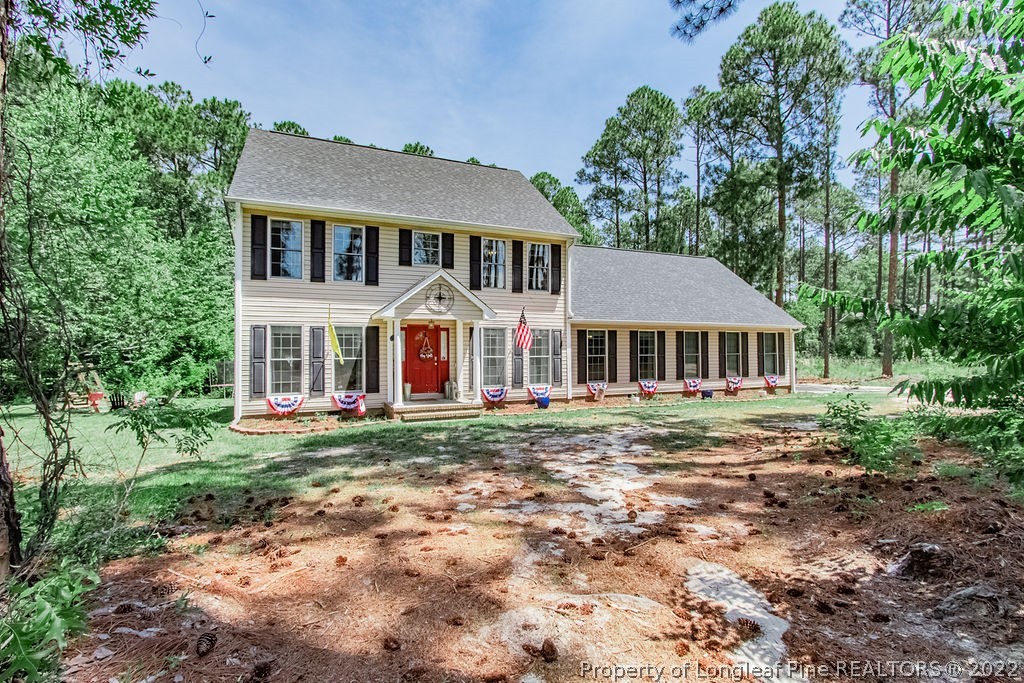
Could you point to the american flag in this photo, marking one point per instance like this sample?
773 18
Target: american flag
524 337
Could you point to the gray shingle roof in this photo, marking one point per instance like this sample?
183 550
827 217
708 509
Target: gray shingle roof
291 169
632 286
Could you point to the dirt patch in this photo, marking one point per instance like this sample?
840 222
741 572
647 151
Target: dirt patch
573 549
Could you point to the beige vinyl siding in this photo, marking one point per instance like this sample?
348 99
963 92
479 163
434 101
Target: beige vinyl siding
670 384
285 301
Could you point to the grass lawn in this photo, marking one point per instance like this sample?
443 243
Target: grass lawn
869 370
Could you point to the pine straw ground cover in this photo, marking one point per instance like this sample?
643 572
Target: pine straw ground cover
526 548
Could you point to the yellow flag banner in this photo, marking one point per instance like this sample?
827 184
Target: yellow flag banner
333 336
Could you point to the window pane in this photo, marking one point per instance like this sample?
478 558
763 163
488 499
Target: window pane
647 361
426 249
348 376
493 263
286 360
538 266
286 248
732 342
596 355
348 253
769 343
493 360
540 358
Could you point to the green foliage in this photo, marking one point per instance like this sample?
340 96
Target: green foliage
38 620
417 148
289 127
931 506
566 202
341 138
876 443
996 434
192 427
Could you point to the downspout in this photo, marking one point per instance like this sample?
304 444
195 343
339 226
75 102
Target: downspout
568 316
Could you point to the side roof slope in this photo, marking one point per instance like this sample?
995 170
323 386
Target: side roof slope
280 168
633 286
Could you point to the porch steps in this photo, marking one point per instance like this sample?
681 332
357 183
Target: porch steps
447 410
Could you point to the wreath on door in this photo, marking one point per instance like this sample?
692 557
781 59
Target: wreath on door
426 350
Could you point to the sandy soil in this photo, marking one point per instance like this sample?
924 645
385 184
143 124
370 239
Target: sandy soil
565 553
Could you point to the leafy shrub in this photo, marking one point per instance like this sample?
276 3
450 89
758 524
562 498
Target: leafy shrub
877 443
996 435
38 620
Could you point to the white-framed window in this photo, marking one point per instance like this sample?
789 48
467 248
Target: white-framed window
426 249
285 359
348 253
538 271
493 357
540 358
647 354
597 356
733 356
286 248
771 353
492 263
691 355
348 376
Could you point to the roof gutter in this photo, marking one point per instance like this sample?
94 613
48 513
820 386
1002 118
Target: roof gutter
415 221
647 324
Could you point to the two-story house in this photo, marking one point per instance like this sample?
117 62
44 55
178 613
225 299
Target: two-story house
423 267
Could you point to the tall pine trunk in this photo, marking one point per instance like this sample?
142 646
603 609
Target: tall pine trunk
780 264
826 325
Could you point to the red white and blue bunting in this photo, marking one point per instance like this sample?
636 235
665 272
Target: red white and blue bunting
494 394
285 405
595 388
771 381
354 402
694 385
648 387
540 391
733 383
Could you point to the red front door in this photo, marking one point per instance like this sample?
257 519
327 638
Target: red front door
423 359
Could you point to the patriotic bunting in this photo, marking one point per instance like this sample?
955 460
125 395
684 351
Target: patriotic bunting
597 389
354 402
648 387
694 385
540 391
494 394
733 383
285 405
771 381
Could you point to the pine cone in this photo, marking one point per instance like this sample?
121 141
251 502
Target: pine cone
205 644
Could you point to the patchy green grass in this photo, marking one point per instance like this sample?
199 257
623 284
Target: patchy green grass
869 370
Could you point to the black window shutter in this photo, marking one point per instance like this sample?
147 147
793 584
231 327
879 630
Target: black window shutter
745 353
316 361
474 261
371 248
404 247
721 354
556 268
447 250
258 361
780 348
517 266
661 355
517 368
581 356
680 362
258 248
705 360
613 356
760 354
317 251
556 358
634 356
371 359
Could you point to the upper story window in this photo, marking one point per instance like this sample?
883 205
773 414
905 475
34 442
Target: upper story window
539 267
348 253
286 248
771 354
691 355
492 263
426 249
647 355
733 357
597 356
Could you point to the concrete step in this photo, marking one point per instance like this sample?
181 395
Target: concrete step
467 413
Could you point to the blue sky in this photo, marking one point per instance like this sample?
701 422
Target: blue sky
523 84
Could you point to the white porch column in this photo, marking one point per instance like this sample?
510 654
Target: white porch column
477 375
459 358
399 355
792 361
389 332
